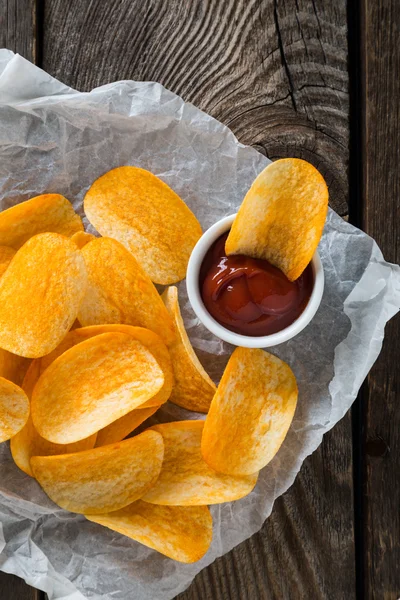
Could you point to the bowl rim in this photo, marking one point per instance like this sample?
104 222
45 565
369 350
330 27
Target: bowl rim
237 339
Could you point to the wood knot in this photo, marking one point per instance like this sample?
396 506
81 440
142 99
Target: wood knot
377 447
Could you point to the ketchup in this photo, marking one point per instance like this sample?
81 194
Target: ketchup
249 295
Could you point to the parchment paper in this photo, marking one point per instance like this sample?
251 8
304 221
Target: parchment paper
54 139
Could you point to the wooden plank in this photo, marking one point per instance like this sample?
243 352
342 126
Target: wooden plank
14 588
381 136
18 27
276 73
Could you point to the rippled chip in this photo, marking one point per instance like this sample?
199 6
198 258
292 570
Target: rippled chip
48 212
93 384
193 388
13 367
14 409
119 291
119 429
185 478
81 238
40 294
103 479
282 216
142 212
250 414
6 254
28 443
183 533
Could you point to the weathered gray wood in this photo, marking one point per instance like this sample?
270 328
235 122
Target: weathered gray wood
381 123
276 73
18 27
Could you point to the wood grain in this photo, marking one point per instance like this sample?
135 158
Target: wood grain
14 588
276 73
18 27
381 122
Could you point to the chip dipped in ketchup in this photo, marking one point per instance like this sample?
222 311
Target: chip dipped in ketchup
248 295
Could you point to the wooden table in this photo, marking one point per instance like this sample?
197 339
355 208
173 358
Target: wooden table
310 78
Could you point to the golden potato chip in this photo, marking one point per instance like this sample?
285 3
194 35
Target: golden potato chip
93 384
185 478
183 533
13 367
282 216
81 238
193 388
119 291
27 443
14 409
103 479
75 325
139 210
146 337
250 414
40 294
48 212
31 377
6 254
119 429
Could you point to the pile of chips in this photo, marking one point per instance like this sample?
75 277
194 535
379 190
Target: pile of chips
89 350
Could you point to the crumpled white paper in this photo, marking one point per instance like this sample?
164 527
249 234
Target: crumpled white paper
54 139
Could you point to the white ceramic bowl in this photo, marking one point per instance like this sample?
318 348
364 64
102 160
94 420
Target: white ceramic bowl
193 289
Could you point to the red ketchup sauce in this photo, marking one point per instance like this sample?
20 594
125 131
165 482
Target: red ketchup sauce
248 295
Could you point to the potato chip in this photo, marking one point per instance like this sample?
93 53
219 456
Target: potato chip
185 478
146 337
31 377
139 210
282 216
103 479
13 367
40 294
119 429
193 388
81 238
14 409
250 414
75 325
93 384
28 443
119 291
48 212
6 254
183 533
